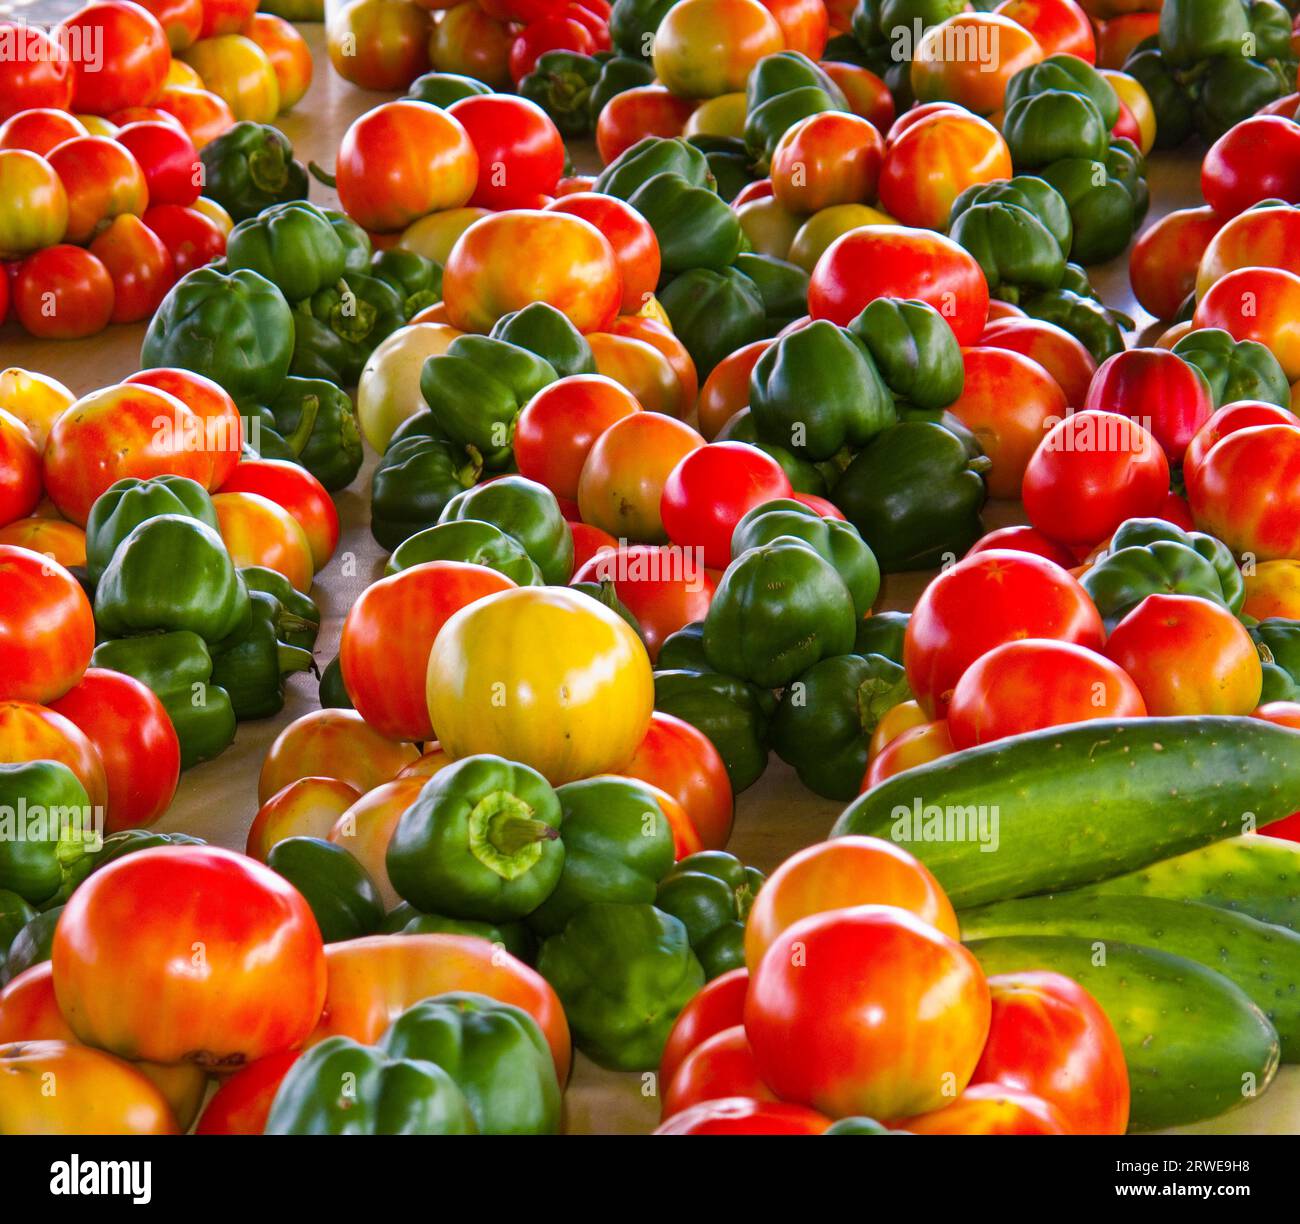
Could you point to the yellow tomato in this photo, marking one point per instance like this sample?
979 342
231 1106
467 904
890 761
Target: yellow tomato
65 542
642 369
822 228
542 675
214 213
389 390
769 226
1273 589
720 116
237 70
257 531
434 236
180 73
35 399
704 48
653 309
97 125
1136 98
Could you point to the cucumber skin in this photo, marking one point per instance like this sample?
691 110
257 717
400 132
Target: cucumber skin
1188 1064
1091 800
1263 960
1253 875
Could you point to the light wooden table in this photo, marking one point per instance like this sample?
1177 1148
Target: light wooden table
777 816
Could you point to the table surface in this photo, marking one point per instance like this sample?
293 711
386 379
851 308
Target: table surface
775 817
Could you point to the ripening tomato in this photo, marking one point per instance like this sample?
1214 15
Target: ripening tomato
1024 539
1256 159
1188 656
560 32
944 68
1117 36
721 1066
633 114
136 742
1032 683
726 390
192 238
52 538
744 1116
30 732
242 1104
170 163
402 160
659 336
1246 491
1059 27
308 807
894 261
877 1014
258 531
985 600
40 129
1168 396
520 150
866 93
224 956
636 249
622 482
202 114
102 180
905 716
293 488
47 630
238 70
35 71
1162 265
181 20
468 41
1257 304
768 227
219 423
588 542
1009 402
139 266
1264 236
385 677
289 55
226 16
365 829
717 1006
35 399
703 48
839 874
506 261
931 163
131 61
1049 1037
1092 471
990 1109
828 158
560 424
917 745
1241 414
20 469
35 212
1055 349
1273 589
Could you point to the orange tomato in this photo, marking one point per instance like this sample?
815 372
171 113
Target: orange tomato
30 732
379 44
202 114
643 110
830 158
866 93
221 433
257 531
52 538
1117 37
805 24
309 807
365 829
469 41
1060 27
35 399
902 717
226 16
636 249
990 1109
704 48
433 761
181 20
289 55
1273 589
47 628
660 336
916 746
331 744
293 488
1257 304
1164 260
1264 237
641 369
20 470
726 390
969 58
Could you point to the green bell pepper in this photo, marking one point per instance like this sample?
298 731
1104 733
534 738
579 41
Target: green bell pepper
481 841
417 280
617 847
882 634
467 540
235 329
113 847
618 74
827 716
1235 369
252 167
1041 128
514 937
1270 23
526 510
1101 208
341 1087
15 913
783 71
728 163
294 10
561 83
804 475
171 572
731 714
1068 74
46 824
261 438
357 250
496 1054
1016 252
914 349
783 287
178 668
766 123
127 503
714 313
1170 99
333 693
1195 30
548 334
603 593
1032 193
1277 641
652 155
623 973
833 540
860 1126
1230 88
252 664
299 622
338 328
695 227
1126 165
343 898
33 945
778 610
632 25
817 390
416 478
319 426
293 245
441 89
915 496
711 893
1095 326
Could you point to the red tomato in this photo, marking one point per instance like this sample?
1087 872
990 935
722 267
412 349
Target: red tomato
1246 491
332 744
470 41
289 54
742 1116
20 467
718 1005
634 114
1162 265
944 69
991 1109
636 249
1091 472
866 93
726 389
220 426
1052 347
823 507
1262 237
243 1102
829 158
558 33
720 1066
200 112
1283 714
805 24
711 490
181 20
1241 414
30 732
1168 396
223 957
259 531
63 293
139 265
40 129
192 239
1174 509
682 761
1256 159
136 742
979 603
1257 304
1048 1037
34 72
102 180
893 261
386 677
1188 656
758 189
520 150
47 630
1024 539
589 542
1029 684
1060 27
299 492
167 156
866 1011
130 61
226 16
1117 36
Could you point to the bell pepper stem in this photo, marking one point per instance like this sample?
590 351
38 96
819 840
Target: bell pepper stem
505 837
294 659
321 175
268 168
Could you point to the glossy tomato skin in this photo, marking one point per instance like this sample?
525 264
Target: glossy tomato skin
1263 236
221 423
520 150
259 531
704 48
916 745
1058 26
139 266
30 732
38 73
720 1066
224 958
1163 262
1260 304
1257 159
1052 347
829 158
1241 414
643 110
365 829
296 490
1284 714
636 249
1024 539
866 1011
1246 491
744 1116
135 740
133 59
243 1102
1155 387
47 628
332 744
983 601
991 1109
309 807
971 81
39 129
726 390
75 282
1049 1037
168 159
20 465
379 44
659 336
718 1005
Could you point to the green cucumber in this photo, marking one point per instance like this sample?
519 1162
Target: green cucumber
1263 960
1195 1045
1253 875
1071 805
